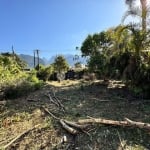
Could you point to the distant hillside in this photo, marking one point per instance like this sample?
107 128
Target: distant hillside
69 57
30 60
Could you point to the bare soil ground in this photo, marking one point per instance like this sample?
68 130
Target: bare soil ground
80 99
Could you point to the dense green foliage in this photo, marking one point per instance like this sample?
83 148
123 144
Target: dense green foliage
50 72
10 68
44 73
120 53
60 64
14 82
97 64
136 11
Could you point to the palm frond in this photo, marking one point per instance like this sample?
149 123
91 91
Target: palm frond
130 3
128 13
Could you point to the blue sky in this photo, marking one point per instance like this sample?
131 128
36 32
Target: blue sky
54 26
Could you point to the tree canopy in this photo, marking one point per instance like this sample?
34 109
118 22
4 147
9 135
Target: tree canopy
60 64
119 52
142 11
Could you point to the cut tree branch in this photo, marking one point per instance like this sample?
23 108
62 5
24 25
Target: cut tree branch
51 100
78 126
55 101
138 124
59 103
66 124
67 128
128 122
51 114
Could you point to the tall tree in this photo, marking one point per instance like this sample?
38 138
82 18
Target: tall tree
96 43
89 46
143 11
60 64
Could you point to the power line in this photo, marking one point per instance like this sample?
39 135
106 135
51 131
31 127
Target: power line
44 50
51 51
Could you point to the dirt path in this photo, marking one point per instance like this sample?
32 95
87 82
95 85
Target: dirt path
80 99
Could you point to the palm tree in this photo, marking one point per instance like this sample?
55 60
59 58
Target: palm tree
143 12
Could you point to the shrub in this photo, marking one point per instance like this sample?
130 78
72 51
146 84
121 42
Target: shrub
44 73
14 91
23 86
97 64
13 81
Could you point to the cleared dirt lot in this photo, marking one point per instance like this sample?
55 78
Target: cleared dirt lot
80 99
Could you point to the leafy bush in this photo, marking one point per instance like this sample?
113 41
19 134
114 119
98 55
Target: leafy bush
44 73
13 81
97 64
60 64
14 91
142 79
10 68
23 87
32 77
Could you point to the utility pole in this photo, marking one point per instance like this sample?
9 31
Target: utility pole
36 52
34 58
12 48
38 59
13 52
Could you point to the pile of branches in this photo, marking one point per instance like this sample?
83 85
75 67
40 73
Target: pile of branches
83 124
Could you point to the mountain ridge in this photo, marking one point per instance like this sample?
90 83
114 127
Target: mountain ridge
70 58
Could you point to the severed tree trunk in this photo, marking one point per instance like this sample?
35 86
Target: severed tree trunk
127 122
102 121
81 124
78 126
68 128
138 124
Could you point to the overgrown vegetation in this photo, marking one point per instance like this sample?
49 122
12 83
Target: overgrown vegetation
14 82
123 52
120 53
60 64
44 73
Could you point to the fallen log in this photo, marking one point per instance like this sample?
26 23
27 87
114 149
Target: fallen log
51 100
82 124
78 126
48 112
127 122
59 103
67 125
67 128
55 101
102 121
138 124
